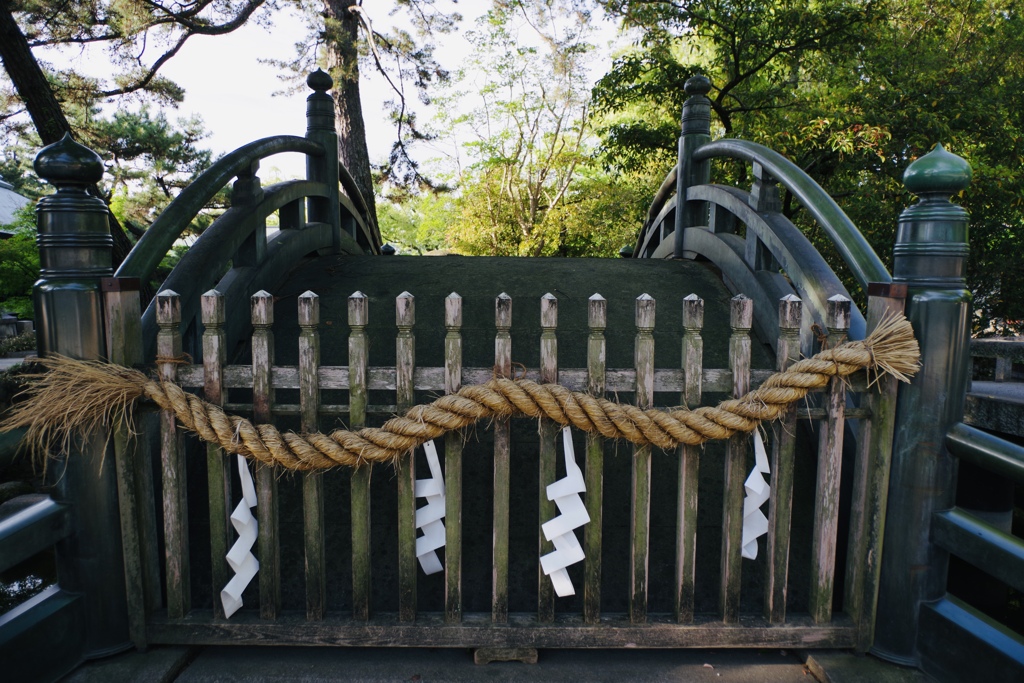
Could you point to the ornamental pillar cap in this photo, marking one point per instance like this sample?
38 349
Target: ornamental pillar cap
320 81
938 172
66 162
697 85
696 118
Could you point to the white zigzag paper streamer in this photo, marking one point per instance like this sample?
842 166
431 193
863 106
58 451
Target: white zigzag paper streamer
573 513
428 517
240 557
755 524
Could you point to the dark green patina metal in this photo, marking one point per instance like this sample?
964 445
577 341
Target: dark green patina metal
696 132
75 254
774 259
315 217
173 221
858 255
930 258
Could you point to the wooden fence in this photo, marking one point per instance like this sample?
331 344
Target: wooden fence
167 615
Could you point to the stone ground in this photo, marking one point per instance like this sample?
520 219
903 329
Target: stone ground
313 665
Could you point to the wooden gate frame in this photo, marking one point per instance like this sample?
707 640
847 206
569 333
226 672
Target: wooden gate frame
177 622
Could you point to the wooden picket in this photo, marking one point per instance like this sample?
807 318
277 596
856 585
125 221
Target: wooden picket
178 622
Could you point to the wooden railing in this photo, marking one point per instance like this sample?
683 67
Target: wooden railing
178 621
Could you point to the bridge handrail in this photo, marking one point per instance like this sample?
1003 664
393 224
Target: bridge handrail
987 451
661 198
367 219
151 248
855 250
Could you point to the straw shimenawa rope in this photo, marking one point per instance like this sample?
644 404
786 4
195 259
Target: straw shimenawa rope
77 396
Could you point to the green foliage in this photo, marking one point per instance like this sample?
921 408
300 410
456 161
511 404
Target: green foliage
418 224
26 341
19 264
150 160
852 92
527 181
138 37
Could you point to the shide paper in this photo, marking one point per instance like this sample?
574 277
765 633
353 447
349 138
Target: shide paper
428 517
755 524
572 513
240 557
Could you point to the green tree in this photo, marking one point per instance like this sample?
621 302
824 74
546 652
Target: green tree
19 264
417 225
351 40
151 160
853 93
528 124
130 30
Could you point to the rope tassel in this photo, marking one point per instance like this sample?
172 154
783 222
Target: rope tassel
79 396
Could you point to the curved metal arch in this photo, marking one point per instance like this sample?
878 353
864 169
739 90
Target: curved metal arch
647 237
814 280
809 276
285 250
172 222
205 260
354 201
726 253
848 240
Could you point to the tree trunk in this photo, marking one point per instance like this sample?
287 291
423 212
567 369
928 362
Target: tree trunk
47 116
30 82
342 34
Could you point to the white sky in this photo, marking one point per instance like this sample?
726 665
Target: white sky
227 85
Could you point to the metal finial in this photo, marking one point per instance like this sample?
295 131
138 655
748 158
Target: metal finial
66 162
938 172
320 81
697 85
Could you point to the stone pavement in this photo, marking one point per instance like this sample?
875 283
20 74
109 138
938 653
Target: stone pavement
8 363
366 665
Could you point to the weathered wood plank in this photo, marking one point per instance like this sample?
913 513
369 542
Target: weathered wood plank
124 347
597 320
218 470
689 462
740 319
830 460
476 630
269 543
666 380
453 465
503 368
358 358
312 482
175 500
405 362
871 482
780 505
336 409
640 529
548 453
